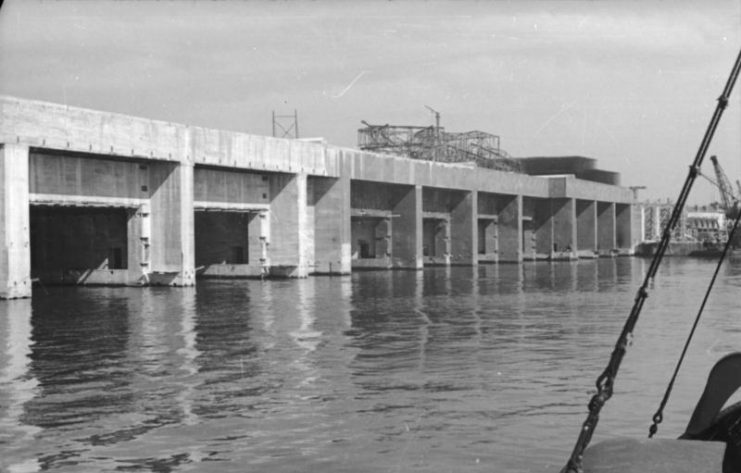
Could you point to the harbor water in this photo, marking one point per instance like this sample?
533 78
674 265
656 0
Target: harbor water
442 370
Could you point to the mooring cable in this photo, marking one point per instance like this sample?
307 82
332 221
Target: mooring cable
606 380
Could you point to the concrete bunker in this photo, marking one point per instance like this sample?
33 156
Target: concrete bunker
230 222
448 227
82 245
371 240
382 224
228 244
89 218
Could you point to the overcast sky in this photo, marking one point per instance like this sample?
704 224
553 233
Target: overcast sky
632 84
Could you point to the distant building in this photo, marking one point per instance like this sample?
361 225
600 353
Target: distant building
705 226
579 166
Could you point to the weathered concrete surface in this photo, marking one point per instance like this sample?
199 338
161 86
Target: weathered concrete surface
15 251
563 213
73 129
607 241
172 224
538 229
570 187
510 229
305 199
449 227
624 223
88 176
398 170
378 223
287 245
488 231
406 244
464 230
60 127
586 228
231 186
330 204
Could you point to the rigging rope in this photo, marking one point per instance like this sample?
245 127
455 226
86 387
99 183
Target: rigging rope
606 380
658 417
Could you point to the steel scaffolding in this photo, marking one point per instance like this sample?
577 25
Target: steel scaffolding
433 143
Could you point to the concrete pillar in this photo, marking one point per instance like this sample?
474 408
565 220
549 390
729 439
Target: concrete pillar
331 203
563 213
657 227
636 234
510 229
138 235
464 230
586 227
406 238
172 248
258 232
15 235
288 245
606 241
543 228
624 226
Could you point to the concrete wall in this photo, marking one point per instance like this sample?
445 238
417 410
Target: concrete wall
452 232
15 256
607 238
406 244
487 214
230 186
296 198
624 223
287 243
464 233
330 204
172 224
59 175
510 229
563 212
586 227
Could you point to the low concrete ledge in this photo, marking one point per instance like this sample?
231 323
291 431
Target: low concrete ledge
85 277
230 271
371 263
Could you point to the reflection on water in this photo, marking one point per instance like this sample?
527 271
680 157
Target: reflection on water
17 387
446 369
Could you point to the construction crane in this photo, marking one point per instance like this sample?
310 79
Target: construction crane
728 199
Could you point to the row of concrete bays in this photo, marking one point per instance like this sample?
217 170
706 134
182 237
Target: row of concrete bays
139 214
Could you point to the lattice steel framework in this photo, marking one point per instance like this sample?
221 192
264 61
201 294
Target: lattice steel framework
435 144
